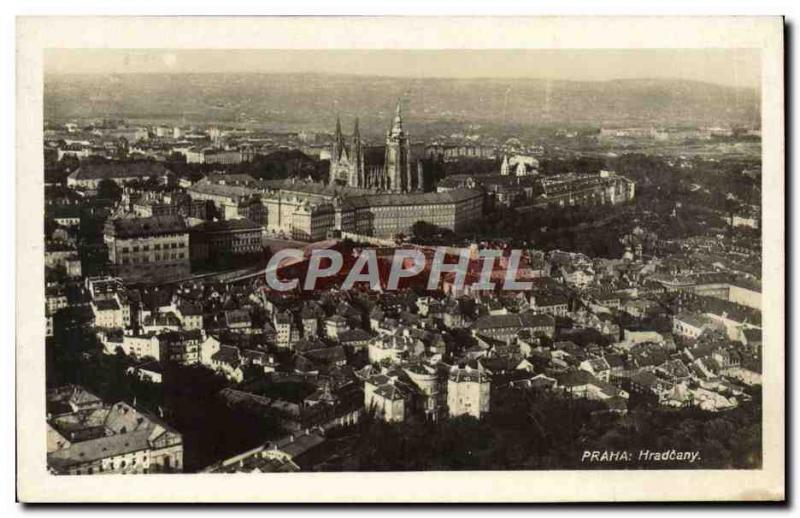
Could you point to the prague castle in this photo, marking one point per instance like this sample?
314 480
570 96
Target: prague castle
361 166
371 191
308 211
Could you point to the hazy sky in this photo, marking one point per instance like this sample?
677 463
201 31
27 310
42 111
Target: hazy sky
732 67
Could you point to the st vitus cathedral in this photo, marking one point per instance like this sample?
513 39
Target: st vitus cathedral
360 166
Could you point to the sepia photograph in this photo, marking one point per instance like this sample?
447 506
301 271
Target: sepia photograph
362 260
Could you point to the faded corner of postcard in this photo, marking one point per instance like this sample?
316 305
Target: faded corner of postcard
383 270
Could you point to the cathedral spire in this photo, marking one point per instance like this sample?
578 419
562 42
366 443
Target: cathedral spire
358 157
356 141
397 123
397 172
339 149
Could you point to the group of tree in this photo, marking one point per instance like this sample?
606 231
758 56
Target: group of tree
186 399
544 430
277 165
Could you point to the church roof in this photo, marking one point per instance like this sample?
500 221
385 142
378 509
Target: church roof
427 198
152 226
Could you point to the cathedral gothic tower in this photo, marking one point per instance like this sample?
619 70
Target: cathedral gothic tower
339 151
355 165
358 177
347 165
397 164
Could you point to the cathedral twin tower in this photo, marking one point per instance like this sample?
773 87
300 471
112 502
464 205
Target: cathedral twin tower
358 166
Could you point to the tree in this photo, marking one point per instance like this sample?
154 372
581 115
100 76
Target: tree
69 163
423 230
109 189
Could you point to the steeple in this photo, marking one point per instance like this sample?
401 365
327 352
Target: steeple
339 149
397 170
356 140
357 155
397 123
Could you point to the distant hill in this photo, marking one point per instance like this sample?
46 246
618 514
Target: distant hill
290 101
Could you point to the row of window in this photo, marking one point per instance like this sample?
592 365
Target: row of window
122 465
162 265
415 210
135 260
252 241
157 246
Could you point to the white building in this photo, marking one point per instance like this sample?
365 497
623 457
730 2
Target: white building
143 346
468 393
384 396
108 314
688 325
389 348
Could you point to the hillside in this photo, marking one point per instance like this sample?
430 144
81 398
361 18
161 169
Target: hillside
290 101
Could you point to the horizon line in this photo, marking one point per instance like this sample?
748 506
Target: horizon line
381 76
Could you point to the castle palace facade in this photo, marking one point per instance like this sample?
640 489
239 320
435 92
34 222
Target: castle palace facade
386 169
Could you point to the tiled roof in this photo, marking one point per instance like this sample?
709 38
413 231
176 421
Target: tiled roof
576 378
119 169
100 448
327 355
216 178
106 305
428 198
190 309
691 319
644 378
354 335
227 354
391 392
237 316
295 446
518 320
227 225
153 226
232 191
468 376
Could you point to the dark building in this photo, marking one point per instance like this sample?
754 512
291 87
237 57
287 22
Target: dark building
218 240
148 249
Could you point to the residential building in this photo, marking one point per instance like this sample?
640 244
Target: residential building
108 439
107 313
388 398
90 174
506 327
217 240
689 325
148 248
468 393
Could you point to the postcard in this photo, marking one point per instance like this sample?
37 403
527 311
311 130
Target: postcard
398 259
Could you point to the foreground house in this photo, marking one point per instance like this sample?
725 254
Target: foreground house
468 393
99 438
288 454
